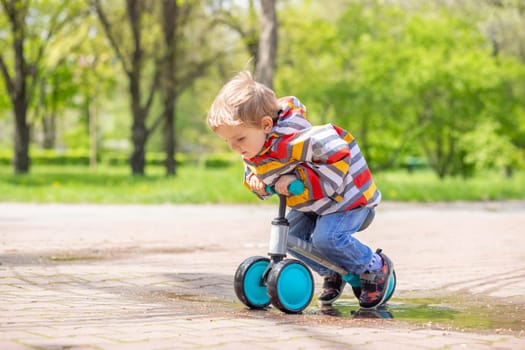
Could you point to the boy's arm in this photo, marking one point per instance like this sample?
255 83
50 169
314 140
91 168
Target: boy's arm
324 161
249 177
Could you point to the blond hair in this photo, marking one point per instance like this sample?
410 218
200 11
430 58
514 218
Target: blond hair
242 101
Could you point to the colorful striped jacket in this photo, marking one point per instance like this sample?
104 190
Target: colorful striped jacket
325 158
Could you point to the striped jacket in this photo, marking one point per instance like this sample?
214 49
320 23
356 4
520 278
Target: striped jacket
325 158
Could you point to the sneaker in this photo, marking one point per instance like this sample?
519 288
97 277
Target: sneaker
332 289
374 284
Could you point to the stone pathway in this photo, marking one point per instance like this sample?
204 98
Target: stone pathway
160 277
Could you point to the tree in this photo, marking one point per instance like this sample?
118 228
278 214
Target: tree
133 61
21 71
94 78
175 54
170 22
187 57
56 88
403 81
504 29
16 80
243 21
267 44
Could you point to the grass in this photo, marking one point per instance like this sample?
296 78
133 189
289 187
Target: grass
427 187
76 184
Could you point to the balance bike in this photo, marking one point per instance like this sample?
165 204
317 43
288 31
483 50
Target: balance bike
288 283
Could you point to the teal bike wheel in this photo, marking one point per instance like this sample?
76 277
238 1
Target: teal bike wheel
249 282
290 286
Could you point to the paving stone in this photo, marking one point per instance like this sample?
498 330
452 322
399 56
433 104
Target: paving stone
160 277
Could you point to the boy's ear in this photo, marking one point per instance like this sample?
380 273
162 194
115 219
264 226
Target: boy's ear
267 123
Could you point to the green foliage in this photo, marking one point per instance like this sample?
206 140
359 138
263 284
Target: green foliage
221 160
424 186
197 184
6 158
412 164
82 157
482 148
5 104
457 84
116 185
420 79
406 83
50 157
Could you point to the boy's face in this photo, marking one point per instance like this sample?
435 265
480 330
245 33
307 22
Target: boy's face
245 140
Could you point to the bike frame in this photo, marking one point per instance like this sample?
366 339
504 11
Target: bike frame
280 241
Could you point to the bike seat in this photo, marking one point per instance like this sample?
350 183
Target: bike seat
368 220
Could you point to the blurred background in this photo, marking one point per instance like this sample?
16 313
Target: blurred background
106 101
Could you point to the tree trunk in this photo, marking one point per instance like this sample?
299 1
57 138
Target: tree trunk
19 97
170 13
169 138
16 82
267 44
49 116
49 130
139 130
93 135
21 153
132 63
138 156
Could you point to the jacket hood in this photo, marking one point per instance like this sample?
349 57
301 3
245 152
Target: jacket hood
291 117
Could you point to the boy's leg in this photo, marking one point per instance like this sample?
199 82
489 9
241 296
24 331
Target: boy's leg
333 237
375 283
301 226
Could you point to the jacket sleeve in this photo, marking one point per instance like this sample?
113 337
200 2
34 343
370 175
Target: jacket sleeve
248 173
323 156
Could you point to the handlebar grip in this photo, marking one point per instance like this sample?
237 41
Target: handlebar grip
295 188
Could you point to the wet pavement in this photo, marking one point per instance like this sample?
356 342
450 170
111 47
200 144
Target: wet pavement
160 277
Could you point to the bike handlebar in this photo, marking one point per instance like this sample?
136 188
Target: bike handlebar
295 188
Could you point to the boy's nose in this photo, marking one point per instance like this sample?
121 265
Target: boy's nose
235 148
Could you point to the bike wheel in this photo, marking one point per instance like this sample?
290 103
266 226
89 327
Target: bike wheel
290 286
248 282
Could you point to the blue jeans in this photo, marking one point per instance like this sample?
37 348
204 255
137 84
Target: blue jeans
332 236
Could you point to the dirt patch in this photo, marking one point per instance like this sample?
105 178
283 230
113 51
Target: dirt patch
13 257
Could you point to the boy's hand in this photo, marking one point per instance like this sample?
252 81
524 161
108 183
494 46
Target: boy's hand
257 185
281 186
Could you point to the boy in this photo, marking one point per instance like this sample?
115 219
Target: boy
279 145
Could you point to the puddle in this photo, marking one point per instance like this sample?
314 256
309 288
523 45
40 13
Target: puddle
480 313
